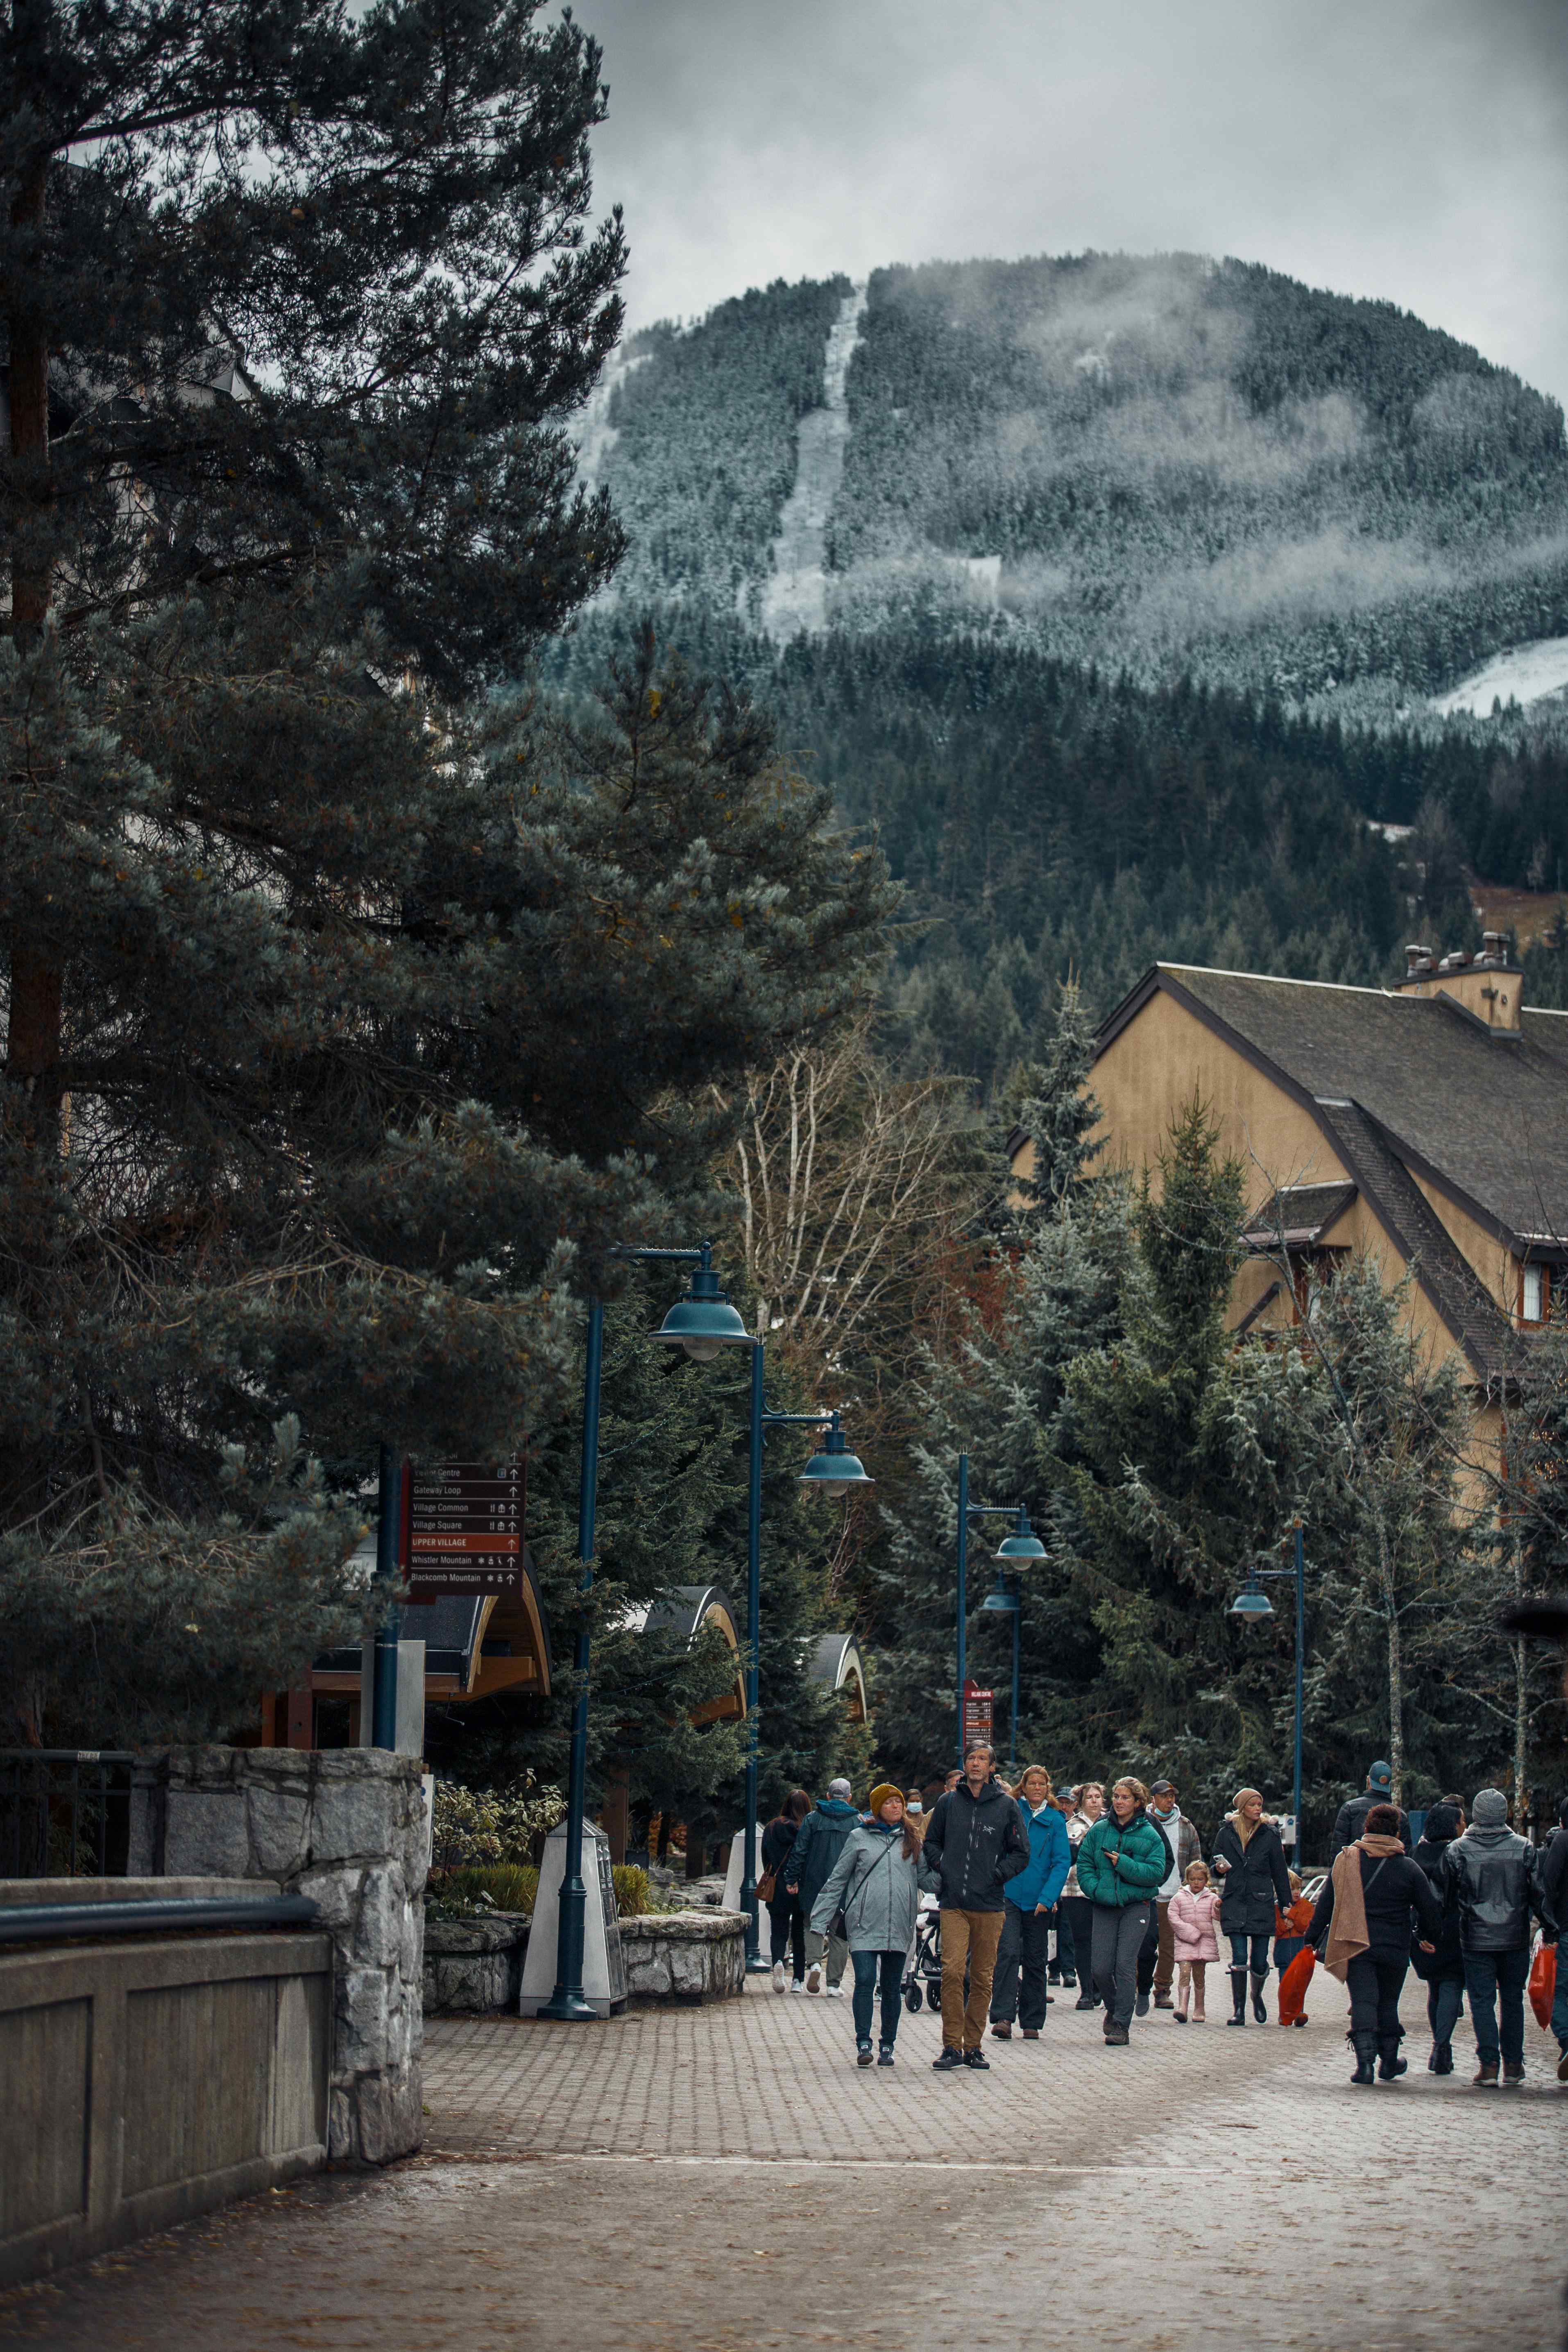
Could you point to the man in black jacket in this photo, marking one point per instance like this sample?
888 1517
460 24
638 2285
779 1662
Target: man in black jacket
1350 1819
976 1841
1554 1887
1492 1878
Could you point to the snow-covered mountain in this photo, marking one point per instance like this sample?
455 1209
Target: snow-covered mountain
1161 463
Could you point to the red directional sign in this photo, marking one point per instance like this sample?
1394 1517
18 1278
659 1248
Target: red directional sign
466 1529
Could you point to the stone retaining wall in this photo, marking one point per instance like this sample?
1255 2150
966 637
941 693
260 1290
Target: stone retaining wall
347 1827
691 1956
474 1966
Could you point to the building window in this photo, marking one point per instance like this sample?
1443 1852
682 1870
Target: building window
1535 1293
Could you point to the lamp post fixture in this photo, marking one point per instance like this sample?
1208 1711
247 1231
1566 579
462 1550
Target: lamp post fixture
830 1471
701 1323
1253 1602
1023 1544
1012 1554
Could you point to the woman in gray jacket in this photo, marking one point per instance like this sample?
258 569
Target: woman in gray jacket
876 1883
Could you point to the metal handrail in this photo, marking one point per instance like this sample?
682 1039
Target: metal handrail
34 1923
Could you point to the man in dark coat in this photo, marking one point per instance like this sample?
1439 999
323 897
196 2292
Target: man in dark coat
1350 1819
1443 1969
975 1842
1554 1887
1492 1878
818 1842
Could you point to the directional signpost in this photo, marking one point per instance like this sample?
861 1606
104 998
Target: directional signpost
465 1532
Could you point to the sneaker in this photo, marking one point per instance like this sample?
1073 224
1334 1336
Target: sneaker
833 1992
1298 2021
797 1984
1066 1980
1485 2076
884 2056
1512 2075
950 2060
814 1978
1053 1976
778 1976
1116 2036
1002 2031
862 2053
1084 2000
978 2059
1142 2004
1562 2064
1181 2017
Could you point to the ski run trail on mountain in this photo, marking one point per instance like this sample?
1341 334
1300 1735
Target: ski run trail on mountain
795 596
1524 673
598 437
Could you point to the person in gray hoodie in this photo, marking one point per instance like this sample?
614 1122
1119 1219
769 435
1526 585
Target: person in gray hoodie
819 1842
876 1883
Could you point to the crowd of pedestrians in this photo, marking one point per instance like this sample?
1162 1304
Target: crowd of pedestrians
1112 1896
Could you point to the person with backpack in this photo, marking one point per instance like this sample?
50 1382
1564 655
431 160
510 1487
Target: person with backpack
1492 1878
975 1842
1119 1863
875 1883
1443 1972
818 1842
787 1921
1364 1912
1018 1988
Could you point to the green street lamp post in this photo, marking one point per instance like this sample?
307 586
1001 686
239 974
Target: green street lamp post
1253 1602
702 1324
1021 1547
831 1470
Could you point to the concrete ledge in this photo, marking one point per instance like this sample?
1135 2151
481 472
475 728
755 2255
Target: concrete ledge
147 2081
688 1956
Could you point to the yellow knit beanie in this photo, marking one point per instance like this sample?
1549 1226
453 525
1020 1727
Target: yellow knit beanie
879 1795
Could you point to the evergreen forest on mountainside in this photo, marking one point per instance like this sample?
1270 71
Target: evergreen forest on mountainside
1245 528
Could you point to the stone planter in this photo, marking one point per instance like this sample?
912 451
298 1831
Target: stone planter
685 1955
474 1966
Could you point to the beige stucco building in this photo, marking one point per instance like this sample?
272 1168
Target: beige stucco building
1426 1124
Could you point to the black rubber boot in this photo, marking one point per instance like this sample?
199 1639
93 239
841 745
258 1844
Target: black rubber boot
1365 2048
1239 1995
1258 2011
1390 2064
1441 2062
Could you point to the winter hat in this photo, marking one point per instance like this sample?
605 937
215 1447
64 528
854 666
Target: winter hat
1381 1776
879 1795
1490 1810
839 1787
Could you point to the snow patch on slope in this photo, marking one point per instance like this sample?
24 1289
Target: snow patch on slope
796 595
1524 673
597 436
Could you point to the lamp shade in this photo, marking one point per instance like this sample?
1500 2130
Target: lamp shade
1251 1602
1001 1598
703 1321
1021 1546
833 1466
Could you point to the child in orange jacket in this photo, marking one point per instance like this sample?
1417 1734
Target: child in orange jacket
1290 1942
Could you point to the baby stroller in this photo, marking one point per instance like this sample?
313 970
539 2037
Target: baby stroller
923 1969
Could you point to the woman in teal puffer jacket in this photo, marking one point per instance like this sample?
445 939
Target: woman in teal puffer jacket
1120 1864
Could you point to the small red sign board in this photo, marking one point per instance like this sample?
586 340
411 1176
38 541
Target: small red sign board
977 1712
465 1535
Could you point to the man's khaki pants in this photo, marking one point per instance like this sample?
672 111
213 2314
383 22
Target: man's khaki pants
1165 1964
972 1937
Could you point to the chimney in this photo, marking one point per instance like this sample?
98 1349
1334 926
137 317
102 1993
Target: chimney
1487 986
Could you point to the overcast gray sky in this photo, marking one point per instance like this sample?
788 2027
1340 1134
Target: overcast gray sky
1414 150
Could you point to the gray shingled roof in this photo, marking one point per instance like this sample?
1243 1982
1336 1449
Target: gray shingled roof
1298 1211
1483 1113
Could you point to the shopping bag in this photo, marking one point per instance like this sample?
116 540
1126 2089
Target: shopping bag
1544 1984
1294 1982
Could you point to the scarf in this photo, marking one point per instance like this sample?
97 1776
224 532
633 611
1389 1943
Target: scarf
1347 1930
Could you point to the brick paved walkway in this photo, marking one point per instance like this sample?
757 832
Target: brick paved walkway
727 2181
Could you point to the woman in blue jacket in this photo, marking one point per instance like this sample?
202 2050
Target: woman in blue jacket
1018 1988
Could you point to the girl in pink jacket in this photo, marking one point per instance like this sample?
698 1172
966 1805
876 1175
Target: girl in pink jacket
1195 1935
